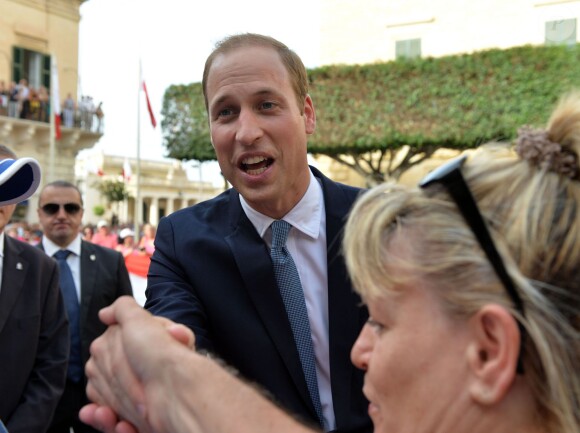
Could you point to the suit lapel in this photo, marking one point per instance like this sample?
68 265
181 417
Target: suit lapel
255 266
14 270
89 267
343 312
88 270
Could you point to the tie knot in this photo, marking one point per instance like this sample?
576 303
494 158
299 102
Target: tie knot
62 254
280 229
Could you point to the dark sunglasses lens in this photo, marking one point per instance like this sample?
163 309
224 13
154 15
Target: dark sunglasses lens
72 208
50 208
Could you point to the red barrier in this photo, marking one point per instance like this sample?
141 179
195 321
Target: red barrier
138 264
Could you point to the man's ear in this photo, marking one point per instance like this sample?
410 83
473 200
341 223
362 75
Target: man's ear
309 115
492 353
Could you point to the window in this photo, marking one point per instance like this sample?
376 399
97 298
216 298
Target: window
561 32
33 66
408 49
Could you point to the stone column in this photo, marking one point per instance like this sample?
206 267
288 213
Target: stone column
170 205
138 209
124 212
154 211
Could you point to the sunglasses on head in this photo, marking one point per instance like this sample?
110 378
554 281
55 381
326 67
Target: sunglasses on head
449 176
53 208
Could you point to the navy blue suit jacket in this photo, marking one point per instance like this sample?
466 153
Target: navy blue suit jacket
104 278
212 272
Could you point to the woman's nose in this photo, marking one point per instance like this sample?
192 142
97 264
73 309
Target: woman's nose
362 348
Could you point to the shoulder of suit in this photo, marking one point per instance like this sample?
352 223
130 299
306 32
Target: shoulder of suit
206 210
90 248
31 252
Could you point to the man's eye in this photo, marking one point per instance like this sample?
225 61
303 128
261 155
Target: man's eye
267 105
225 112
376 326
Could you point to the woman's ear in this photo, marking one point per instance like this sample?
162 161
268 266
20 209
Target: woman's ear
493 353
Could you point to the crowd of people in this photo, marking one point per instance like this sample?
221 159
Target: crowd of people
294 304
23 101
117 238
120 238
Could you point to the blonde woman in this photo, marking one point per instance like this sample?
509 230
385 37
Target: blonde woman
473 288
147 242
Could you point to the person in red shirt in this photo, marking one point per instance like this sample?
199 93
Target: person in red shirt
104 237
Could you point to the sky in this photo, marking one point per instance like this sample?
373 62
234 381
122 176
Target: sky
171 39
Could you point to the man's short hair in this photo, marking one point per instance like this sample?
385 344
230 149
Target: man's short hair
291 60
63 184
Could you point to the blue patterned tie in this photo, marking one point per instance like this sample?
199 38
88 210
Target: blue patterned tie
293 297
71 300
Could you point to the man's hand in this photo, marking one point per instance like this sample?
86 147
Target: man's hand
116 384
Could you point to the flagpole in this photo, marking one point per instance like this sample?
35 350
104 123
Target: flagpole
138 205
52 143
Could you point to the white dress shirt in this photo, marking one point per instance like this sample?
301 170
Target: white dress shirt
307 245
73 260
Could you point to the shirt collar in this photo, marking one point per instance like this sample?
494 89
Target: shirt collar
50 247
2 244
305 216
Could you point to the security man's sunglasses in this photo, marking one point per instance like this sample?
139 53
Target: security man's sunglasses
52 208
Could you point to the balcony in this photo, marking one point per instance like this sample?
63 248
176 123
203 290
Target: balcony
16 132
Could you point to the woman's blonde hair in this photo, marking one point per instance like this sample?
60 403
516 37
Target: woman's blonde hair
532 207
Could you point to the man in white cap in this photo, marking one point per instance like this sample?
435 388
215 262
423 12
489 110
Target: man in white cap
34 333
104 237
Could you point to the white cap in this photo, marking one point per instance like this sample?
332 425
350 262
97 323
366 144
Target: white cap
126 232
19 179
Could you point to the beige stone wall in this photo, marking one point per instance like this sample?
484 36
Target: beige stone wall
365 31
50 27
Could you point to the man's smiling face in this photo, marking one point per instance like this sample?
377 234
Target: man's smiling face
258 130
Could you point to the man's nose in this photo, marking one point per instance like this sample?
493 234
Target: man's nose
249 128
61 213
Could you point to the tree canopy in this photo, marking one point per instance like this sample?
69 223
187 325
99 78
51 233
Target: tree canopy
367 114
113 190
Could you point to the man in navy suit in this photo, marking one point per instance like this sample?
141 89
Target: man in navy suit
212 270
34 335
99 276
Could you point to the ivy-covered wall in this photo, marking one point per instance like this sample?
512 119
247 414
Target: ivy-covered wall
454 102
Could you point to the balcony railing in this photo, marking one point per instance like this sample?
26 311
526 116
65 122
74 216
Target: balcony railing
91 121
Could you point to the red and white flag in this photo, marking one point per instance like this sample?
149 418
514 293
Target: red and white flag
93 168
127 170
55 98
151 115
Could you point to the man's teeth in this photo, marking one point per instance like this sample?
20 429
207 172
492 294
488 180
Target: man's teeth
255 165
256 172
253 160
